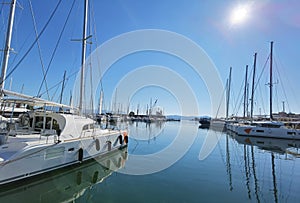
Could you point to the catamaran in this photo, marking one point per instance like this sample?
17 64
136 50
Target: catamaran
268 128
44 139
70 184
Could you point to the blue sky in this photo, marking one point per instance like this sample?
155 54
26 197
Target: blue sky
207 23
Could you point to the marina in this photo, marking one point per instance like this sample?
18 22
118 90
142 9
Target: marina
145 110
239 169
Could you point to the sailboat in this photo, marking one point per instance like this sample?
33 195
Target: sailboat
220 124
268 128
231 126
40 141
70 184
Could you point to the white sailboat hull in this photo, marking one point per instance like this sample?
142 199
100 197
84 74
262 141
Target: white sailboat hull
257 131
36 159
78 180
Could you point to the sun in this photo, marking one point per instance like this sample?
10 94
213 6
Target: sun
240 14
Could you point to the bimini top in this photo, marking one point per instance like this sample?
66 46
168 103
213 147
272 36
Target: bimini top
33 101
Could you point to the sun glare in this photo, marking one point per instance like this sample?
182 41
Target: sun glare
239 14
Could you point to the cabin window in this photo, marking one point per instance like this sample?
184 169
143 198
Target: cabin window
30 122
260 131
85 127
55 125
50 123
39 122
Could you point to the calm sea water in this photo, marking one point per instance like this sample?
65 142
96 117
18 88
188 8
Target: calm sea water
239 169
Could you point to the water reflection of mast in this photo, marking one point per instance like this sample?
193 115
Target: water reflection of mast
274 178
150 130
228 164
254 175
247 170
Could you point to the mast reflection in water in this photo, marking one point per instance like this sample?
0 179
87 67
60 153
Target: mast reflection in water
279 149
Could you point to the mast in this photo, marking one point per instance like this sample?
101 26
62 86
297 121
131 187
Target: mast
114 108
7 43
253 82
138 109
83 56
150 108
62 88
100 102
228 93
70 100
247 101
245 91
271 80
